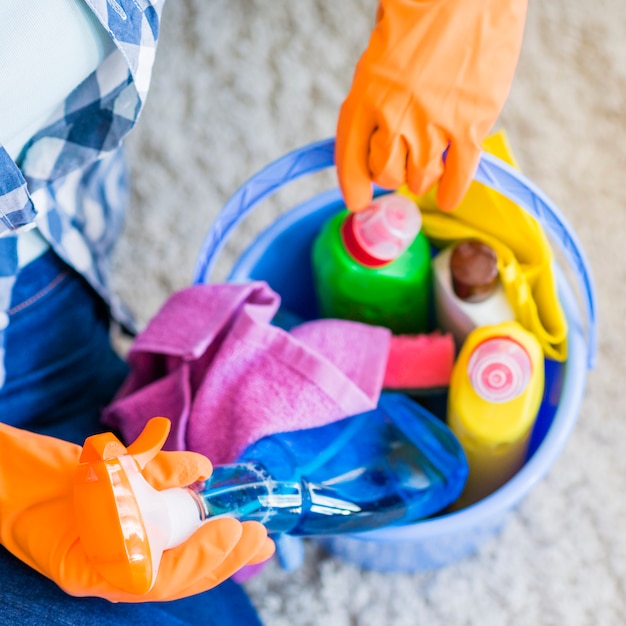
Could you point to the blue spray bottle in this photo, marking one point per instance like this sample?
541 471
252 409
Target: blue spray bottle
395 464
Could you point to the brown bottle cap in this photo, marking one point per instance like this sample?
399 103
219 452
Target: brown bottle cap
474 270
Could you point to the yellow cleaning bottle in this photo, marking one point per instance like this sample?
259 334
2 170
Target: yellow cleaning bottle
495 392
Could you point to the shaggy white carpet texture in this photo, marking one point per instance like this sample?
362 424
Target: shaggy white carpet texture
238 83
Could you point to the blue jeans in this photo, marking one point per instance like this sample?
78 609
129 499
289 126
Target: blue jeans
61 370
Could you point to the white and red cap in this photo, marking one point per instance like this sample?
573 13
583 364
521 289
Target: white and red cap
499 370
383 231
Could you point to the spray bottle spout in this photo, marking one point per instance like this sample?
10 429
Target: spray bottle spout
123 522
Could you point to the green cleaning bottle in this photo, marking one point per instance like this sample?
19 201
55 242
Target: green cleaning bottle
374 266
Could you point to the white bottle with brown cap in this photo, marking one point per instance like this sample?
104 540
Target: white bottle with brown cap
467 289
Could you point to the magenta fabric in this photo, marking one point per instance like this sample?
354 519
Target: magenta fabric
213 364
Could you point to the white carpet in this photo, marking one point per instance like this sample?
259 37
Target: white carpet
238 83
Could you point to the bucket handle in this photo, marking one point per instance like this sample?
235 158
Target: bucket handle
491 171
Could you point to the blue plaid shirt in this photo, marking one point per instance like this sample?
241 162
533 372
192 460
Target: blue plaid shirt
70 179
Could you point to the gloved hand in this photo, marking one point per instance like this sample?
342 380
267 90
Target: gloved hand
434 76
38 524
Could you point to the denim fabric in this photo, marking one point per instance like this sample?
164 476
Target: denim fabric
61 371
29 599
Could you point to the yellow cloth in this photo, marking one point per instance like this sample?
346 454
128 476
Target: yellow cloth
525 258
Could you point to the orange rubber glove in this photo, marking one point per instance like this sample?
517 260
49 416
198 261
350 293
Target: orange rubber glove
38 525
434 76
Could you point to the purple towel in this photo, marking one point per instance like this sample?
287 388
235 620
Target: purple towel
213 364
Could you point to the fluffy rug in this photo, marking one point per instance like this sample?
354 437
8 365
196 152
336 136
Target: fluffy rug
238 83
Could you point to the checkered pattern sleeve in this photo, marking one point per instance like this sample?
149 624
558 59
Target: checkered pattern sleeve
69 179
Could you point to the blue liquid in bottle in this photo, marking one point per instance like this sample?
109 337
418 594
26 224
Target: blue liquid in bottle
395 464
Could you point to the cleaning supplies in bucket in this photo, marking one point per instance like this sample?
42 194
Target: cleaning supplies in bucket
374 266
281 255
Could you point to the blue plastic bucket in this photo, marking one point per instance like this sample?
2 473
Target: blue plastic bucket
281 257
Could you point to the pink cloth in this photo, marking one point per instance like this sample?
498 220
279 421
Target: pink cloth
213 364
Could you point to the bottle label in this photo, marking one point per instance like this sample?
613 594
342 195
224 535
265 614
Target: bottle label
499 370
